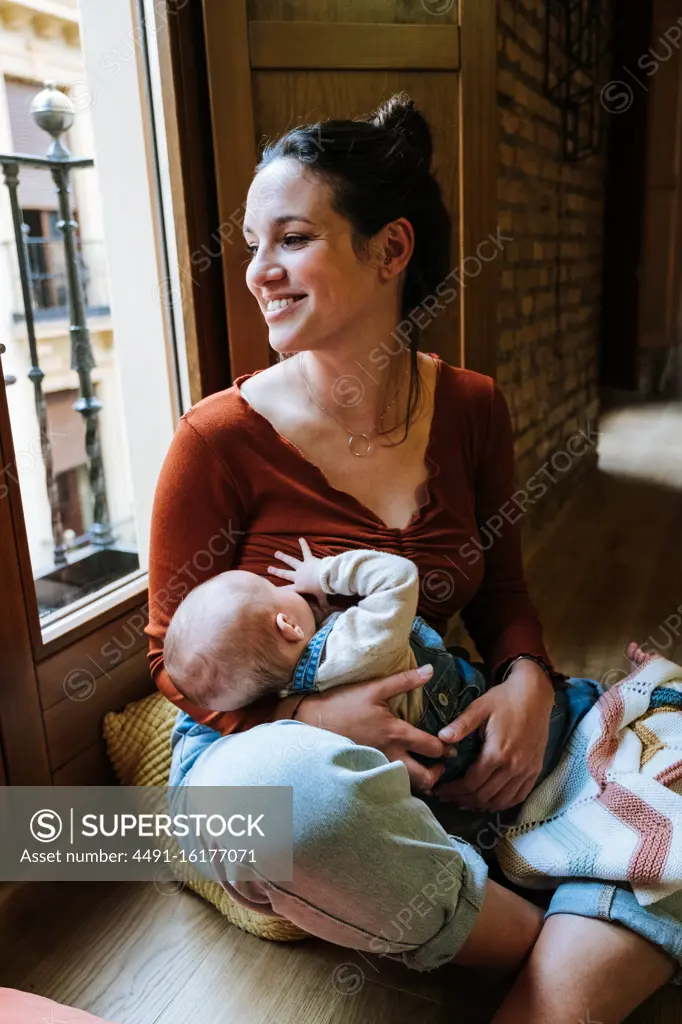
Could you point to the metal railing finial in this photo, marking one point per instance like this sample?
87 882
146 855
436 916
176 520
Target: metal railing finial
53 111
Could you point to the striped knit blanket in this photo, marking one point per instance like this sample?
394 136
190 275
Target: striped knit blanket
612 808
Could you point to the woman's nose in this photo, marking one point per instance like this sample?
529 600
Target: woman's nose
263 270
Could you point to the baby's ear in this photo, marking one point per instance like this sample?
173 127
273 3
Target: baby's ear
289 630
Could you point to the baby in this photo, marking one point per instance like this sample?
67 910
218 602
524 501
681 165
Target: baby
238 637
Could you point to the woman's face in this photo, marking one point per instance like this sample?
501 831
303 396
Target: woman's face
301 250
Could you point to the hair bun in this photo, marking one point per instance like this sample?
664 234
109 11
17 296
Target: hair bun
399 114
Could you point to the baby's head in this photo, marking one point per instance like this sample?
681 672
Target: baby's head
235 638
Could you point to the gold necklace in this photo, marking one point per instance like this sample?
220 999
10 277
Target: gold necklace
358 443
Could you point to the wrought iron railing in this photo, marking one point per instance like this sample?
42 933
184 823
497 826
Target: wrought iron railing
65 289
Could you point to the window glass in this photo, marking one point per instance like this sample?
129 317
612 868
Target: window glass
95 334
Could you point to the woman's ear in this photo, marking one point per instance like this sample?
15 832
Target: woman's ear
289 629
396 241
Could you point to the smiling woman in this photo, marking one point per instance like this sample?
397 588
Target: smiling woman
347 231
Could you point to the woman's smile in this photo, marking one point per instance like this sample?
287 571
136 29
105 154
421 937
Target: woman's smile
277 309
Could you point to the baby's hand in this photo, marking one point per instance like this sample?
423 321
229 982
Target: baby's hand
304 575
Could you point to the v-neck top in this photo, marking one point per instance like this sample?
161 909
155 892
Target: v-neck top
232 491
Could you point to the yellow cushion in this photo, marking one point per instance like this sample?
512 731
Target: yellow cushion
138 744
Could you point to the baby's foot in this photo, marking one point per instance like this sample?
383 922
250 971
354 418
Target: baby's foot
639 657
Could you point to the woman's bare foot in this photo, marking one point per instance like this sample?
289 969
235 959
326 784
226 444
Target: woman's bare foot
639 657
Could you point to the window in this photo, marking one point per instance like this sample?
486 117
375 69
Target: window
48 270
46 261
113 362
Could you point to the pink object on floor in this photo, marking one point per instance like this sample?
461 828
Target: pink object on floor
25 1008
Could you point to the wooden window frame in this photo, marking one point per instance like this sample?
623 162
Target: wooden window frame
27 747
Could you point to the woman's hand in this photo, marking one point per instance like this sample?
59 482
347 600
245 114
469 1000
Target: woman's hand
361 712
515 719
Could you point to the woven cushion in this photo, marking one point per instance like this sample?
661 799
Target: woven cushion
138 744
26 1008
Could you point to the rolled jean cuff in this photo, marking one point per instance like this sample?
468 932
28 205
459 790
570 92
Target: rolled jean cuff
447 942
610 902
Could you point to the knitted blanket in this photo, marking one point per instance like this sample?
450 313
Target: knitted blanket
612 808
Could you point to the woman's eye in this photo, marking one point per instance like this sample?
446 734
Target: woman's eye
289 241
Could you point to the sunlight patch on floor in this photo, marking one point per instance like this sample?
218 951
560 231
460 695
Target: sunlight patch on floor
643 442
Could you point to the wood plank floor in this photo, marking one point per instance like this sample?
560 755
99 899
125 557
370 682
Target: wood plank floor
611 568
610 571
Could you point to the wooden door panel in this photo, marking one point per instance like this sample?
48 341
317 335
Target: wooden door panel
399 12
71 726
77 668
310 44
661 269
310 59
284 99
91 767
659 260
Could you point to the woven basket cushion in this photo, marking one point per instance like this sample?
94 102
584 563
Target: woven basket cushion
138 744
26 1008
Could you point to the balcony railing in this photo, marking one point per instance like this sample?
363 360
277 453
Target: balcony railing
48 278
54 278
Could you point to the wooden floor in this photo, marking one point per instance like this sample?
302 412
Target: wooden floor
610 571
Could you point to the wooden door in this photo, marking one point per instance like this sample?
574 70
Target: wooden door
661 267
277 63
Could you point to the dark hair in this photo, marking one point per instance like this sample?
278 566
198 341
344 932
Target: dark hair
378 168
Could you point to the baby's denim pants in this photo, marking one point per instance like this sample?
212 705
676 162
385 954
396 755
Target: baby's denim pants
455 683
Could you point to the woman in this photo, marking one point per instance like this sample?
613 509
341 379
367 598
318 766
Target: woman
357 439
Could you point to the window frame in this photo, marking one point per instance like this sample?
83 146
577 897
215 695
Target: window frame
191 203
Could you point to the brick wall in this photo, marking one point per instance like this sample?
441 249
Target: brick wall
549 308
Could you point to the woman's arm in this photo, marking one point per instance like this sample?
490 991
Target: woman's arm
501 618
503 622
197 524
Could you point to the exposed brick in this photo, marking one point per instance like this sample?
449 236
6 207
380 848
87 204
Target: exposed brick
548 311
512 49
507 13
505 342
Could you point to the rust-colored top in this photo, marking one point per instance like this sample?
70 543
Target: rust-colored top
232 491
